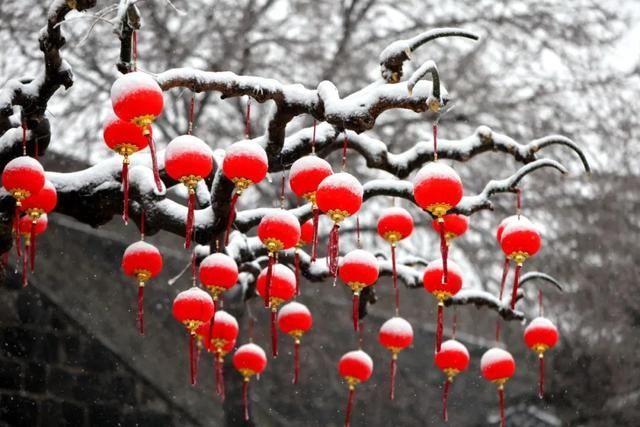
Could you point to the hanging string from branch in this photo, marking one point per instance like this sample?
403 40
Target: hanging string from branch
344 151
247 123
313 138
134 50
192 109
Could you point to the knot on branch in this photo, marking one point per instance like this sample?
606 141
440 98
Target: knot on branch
485 134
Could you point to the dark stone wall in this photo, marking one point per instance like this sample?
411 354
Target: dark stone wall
53 372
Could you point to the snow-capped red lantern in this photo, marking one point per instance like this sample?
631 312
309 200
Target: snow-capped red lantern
395 335
36 205
505 268
189 160
295 319
502 225
520 240
305 176
136 97
455 225
433 282
438 189
355 367
125 138
282 287
30 229
306 233
245 163
23 177
541 335
218 273
395 224
498 366
452 359
192 308
249 360
142 261
278 231
339 196
358 270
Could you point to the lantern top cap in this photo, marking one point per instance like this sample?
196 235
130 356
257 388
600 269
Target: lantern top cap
495 355
397 326
454 345
293 307
309 162
438 170
343 180
133 82
224 317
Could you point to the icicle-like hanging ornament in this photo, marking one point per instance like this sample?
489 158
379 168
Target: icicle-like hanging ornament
192 308
189 160
498 366
452 359
541 335
355 367
358 270
295 319
281 289
339 196
249 360
395 335
433 283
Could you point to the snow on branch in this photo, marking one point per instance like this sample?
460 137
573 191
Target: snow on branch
540 277
394 55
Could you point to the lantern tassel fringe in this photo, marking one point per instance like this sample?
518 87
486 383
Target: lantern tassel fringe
154 163
444 251
347 418
296 360
333 250
440 326
191 206
541 376
125 191
355 309
267 292
274 333
503 422
25 270
141 308
392 377
445 398
516 282
245 398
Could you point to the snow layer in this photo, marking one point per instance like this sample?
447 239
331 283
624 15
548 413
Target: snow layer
439 170
185 144
224 318
132 82
343 180
359 355
397 326
219 260
494 355
292 308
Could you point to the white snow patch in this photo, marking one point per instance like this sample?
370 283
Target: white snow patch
397 326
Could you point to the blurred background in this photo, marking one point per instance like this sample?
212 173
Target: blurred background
70 351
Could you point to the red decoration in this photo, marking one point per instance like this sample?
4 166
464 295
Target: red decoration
143 261
541 335
218 364
452 359
136 97
249 360
125 138
497 365
434 283
455 225
282 287
295 319
306 233
358 270
218 273
355 367
395 335
218 335
40 203
189 160
192 308
245 163
502 225
339 196
30 229
520 239
23 177
505 268
305 176
395 224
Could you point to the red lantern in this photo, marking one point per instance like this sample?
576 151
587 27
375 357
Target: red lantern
125 138
395 224
192 308
295 319
505 268
502 225
455 225
358 270
245 163
305 176
433 281
395 335
282 287
452 359
520 239
136 97
249 360
541 335
39 203
29 229
143 261
217 334
497 365
218 273
355 367
339 196
438 189
23 177
189 160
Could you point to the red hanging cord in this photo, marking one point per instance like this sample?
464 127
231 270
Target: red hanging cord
392 376
192 110
267 293
333 251
125 190
247 123
314 243
191 206
274 333
192 361
355 308
23 123
154 162
296 360
435 141
32 246
231 217
141 308
394 275
444 250
440 326
518 201
516 281
347 418
503 422
296 265
245 397
344 151
445 398
313 138
221 376
541 376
